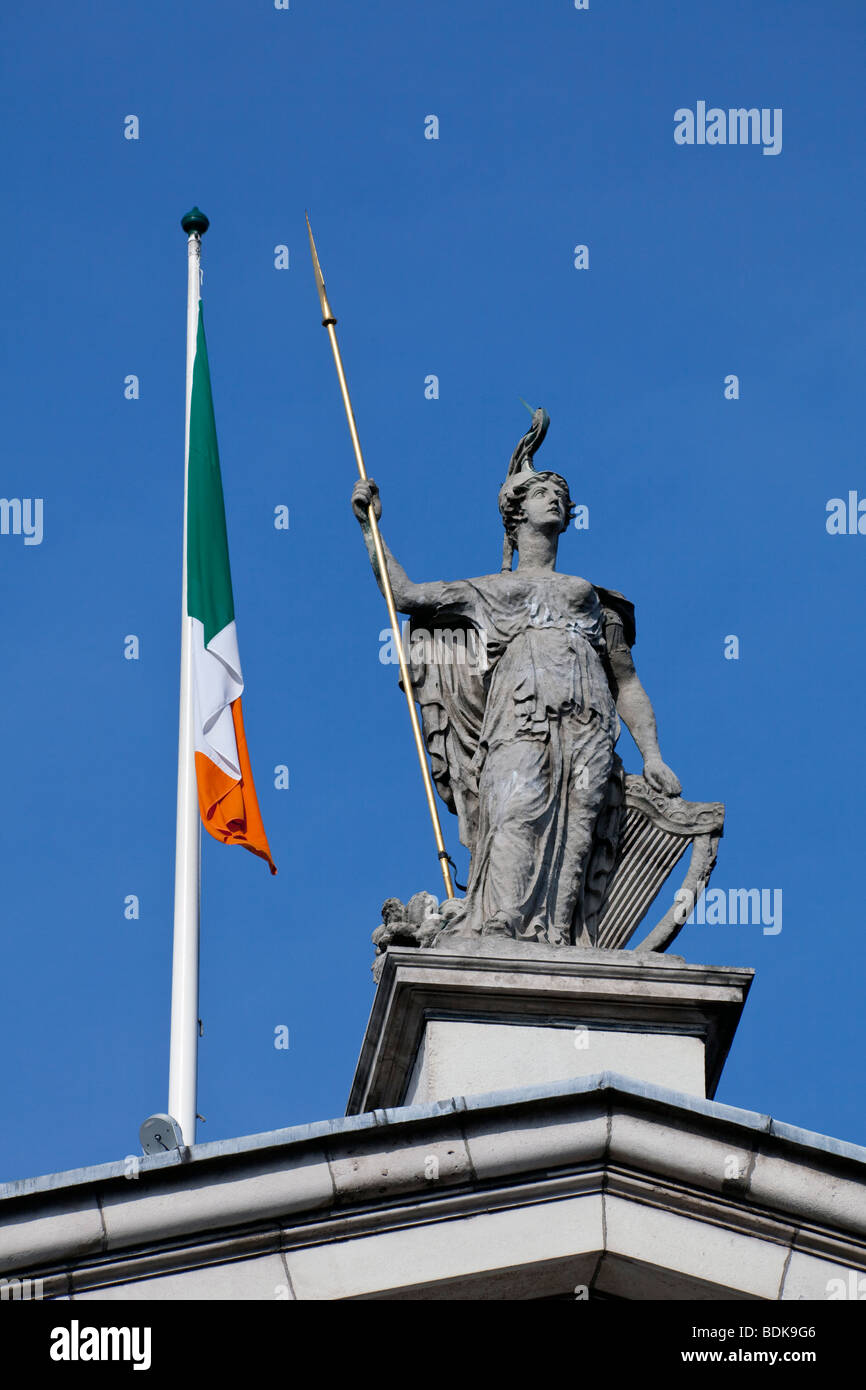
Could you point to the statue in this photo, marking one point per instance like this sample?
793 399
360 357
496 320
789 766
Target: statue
524 751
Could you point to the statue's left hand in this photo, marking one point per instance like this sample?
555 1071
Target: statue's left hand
661 777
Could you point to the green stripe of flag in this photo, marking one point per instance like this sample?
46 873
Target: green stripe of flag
209 579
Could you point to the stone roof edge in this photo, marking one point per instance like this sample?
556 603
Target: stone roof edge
377 1119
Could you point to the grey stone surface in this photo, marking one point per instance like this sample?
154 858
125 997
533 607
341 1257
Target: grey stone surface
264 1279
361 1168
724 1164
695 1251
513 1139
441 1252
458 1057
544 993
811 1278
790 1184
521 726
71 1225
192 1201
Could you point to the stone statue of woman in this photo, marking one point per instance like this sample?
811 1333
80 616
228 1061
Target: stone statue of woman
524 751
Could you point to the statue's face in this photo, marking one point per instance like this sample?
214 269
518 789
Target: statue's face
543 506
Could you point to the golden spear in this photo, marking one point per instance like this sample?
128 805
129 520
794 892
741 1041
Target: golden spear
329 322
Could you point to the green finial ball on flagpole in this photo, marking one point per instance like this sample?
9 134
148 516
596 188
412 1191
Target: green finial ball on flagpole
195 221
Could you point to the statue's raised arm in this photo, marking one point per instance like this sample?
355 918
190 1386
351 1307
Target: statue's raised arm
408 597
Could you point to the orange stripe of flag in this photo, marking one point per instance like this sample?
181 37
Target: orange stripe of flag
230 808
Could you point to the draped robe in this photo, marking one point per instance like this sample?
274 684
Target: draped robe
523 751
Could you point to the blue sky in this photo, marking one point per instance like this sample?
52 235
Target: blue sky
451 257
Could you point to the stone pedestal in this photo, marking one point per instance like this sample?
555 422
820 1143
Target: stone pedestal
496 1015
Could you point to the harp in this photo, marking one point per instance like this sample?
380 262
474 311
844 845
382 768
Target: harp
656 834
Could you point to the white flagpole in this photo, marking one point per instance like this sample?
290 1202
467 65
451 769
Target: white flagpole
183 1056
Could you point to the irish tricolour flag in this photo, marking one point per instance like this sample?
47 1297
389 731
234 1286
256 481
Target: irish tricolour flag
226 794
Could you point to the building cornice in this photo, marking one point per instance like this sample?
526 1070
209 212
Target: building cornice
358 1179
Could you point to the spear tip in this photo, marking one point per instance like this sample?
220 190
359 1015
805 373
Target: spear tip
328 316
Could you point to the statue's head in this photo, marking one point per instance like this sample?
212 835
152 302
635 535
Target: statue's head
541 500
